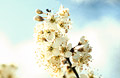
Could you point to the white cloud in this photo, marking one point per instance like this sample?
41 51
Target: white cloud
27 62
83 1
90 1
22 55
5 49
112 1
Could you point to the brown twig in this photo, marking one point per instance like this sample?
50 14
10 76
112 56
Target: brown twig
73 68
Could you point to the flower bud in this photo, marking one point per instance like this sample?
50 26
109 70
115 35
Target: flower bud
48 10
38 11
38 18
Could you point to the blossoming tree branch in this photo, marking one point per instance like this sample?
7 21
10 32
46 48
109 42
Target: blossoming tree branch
60 58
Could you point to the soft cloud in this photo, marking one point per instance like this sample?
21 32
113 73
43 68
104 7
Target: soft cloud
22 55
112 1
83 1
27 63
5 49
91 1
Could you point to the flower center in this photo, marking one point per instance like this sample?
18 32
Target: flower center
81 60
50 48
52 20
64 49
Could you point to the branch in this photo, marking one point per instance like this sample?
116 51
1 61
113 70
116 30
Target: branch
73 68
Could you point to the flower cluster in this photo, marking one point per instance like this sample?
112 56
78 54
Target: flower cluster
7 71
52 48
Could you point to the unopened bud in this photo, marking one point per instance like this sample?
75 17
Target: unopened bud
48 10
38 18
38 11
79 43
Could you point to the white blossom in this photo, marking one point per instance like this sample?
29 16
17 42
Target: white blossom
53 50
8 71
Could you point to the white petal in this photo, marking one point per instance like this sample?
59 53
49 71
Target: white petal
61 7
83 76
56 52
69 46
68 54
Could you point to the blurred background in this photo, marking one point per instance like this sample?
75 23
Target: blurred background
98 20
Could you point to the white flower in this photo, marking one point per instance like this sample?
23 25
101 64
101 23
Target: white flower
49 34
63 27
65 50
58 34
7 71
64 12
83 40
52 48
58 42
74 59
87 48
93 73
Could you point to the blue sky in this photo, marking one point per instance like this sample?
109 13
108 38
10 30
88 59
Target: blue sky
97 19
17 17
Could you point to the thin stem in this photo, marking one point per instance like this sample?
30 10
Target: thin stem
73 68
69 61
75 72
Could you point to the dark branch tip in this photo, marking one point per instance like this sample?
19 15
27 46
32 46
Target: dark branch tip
48 10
